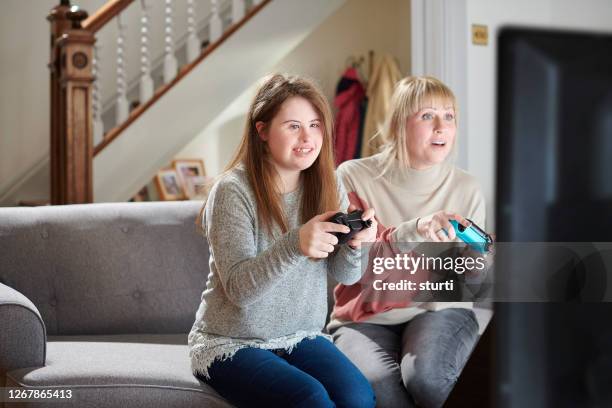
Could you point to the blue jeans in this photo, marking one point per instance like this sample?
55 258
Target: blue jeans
314 374
415 363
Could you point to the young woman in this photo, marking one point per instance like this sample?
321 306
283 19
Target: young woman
410 352
257 336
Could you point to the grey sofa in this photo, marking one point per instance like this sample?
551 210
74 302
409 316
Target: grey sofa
99 298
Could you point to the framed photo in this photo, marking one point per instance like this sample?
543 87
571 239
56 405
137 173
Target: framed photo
191 175
169 185
197 187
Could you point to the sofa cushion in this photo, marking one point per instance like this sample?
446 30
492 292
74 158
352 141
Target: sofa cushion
110 268
121 370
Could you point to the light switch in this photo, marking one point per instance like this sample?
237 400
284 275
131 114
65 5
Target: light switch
480 34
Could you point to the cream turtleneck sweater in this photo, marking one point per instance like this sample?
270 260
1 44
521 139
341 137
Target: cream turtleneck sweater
400 198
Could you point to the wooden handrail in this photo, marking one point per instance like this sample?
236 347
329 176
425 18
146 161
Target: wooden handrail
116 131
106 13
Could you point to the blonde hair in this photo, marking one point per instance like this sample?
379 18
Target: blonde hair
320 192
410 95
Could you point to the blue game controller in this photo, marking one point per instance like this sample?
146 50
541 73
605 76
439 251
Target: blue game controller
473 235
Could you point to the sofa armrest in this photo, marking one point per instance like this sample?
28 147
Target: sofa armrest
23 337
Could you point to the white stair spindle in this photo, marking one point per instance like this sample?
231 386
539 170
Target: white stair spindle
121 108
146 82
170 63
96 96
215 25
238 8
193 43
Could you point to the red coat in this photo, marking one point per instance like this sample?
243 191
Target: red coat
349 97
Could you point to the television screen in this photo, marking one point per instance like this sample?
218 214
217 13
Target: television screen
554 136
554 184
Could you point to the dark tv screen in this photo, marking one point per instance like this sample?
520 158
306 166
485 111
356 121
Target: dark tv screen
554 184
554 136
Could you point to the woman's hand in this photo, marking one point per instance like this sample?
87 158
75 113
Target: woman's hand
439 228
316 238
365 235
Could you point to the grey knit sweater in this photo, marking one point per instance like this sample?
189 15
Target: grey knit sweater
261 291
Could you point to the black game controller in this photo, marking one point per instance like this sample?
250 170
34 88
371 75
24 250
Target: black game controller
353 221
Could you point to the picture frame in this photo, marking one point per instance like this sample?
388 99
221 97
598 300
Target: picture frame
192 176
197 187
168 185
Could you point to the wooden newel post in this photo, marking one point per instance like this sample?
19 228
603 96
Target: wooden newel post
71 108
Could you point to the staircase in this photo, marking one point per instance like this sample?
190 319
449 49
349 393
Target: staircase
101 150
171 122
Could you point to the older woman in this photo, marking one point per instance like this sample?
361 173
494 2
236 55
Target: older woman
412 353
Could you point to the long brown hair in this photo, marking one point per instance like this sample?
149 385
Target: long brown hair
320 191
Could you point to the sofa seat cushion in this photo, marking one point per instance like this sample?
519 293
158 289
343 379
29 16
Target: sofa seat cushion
121 370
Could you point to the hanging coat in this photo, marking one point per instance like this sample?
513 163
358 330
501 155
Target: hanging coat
380 88
350 95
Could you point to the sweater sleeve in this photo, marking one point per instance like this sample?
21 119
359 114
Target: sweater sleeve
345 262
404 232
230 222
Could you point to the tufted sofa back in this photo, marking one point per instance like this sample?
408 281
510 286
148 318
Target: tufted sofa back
107 268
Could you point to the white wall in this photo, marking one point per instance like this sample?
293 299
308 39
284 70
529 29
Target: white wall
24 80
584 15
354 29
